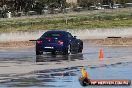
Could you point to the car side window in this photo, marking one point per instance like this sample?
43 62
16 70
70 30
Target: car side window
69 35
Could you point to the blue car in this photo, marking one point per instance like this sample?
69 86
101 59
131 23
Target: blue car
57 41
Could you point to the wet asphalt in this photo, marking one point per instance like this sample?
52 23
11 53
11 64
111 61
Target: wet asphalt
65 77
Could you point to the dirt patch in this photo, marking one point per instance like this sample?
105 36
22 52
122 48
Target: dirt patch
111 41
17 44
104 42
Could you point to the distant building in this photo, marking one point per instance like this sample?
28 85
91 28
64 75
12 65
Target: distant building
71 1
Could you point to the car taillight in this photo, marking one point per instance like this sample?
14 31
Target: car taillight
60 42
39 41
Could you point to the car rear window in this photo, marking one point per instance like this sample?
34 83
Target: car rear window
52 35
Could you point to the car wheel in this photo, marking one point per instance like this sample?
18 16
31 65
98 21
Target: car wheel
38 52
53 53
68 50
80 48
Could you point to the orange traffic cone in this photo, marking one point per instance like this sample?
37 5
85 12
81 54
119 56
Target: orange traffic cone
86 74
101 55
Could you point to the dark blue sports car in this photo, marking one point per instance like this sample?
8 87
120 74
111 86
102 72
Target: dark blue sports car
58 41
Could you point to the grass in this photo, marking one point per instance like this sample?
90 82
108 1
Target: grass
83 21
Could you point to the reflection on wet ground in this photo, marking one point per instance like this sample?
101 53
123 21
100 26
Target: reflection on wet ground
58 58
64 77
44 78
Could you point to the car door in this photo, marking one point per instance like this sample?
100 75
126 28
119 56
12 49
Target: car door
73 42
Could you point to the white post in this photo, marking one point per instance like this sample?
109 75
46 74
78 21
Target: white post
9 14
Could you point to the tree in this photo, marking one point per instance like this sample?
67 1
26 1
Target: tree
38 7
87 3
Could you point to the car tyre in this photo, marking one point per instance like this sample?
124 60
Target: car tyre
80 50
80 47
39 52
53 53
68 50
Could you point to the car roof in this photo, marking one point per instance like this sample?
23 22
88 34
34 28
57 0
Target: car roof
56 31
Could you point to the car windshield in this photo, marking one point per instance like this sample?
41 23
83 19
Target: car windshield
52 35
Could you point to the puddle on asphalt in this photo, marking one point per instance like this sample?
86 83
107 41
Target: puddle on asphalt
68 77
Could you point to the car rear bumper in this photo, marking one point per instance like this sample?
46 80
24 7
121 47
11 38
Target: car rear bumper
48 48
